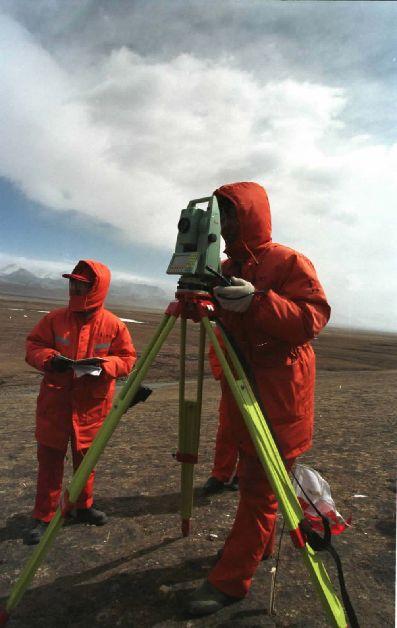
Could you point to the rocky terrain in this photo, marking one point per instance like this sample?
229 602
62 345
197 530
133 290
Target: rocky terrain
137 570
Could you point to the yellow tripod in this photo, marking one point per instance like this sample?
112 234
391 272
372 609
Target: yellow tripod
197 306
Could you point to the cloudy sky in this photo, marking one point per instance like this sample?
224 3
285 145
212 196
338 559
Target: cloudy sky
115 114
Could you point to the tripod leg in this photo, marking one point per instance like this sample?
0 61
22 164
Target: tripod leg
120 406
79 479
276 473
189 429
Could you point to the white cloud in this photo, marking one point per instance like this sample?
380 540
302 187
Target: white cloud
128 141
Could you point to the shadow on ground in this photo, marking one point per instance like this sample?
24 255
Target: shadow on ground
77 600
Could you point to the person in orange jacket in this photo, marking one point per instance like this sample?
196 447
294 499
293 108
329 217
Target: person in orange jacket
273 309
70 406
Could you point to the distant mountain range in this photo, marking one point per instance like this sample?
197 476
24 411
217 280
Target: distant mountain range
16 281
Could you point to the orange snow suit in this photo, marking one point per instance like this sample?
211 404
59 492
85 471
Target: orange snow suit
69 407
288 310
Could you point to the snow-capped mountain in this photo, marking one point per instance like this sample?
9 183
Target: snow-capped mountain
18 281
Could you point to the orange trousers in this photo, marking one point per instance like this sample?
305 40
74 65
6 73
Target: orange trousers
253 532
226 451
49 481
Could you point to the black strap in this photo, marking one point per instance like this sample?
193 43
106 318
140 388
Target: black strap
320 544
141 395
317 542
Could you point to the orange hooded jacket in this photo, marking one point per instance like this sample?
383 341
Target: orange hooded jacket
68 404
288 311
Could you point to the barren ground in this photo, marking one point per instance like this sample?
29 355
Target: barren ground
137 570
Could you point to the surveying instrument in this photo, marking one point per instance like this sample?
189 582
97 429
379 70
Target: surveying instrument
196 260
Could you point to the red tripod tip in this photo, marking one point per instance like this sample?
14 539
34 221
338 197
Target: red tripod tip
185 526
4 616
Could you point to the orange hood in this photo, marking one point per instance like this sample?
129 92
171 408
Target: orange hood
98 293
254 218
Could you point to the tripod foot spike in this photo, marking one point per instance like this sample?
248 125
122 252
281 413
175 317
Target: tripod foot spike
4 616
273 572
185 527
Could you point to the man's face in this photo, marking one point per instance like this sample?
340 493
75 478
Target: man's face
229 222
79 288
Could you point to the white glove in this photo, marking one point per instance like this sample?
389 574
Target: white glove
237 297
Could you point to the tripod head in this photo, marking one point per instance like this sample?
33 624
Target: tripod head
197 246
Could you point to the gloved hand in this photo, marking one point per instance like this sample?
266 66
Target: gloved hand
237 297
59 364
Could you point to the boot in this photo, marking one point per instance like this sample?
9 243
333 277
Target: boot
213 486
91 515
207 600
34 535
233 485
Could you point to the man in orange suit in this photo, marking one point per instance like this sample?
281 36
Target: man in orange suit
273 308
70 406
